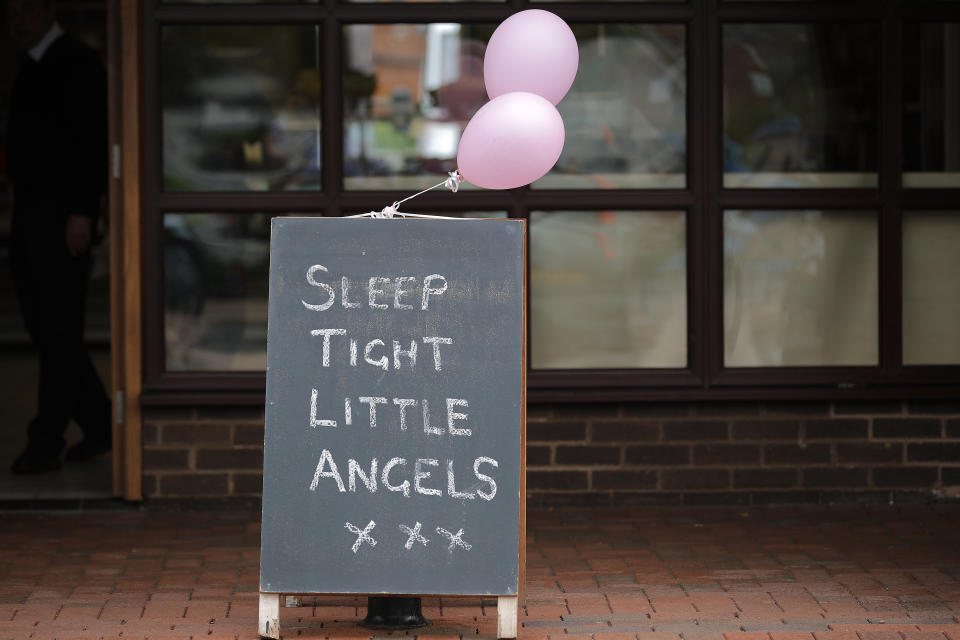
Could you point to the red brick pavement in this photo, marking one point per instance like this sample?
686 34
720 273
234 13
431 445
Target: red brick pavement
797 573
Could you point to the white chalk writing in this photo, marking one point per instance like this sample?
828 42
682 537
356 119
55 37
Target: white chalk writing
362 536
455 539
414 536
378 291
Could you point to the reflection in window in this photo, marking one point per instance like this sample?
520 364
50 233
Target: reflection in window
477 214
800 288
235 1
420 0
215 291
931 287
408 92
625 115
931 105
611 0
608 289
241 107
800 105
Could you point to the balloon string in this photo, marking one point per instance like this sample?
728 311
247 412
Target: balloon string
452 183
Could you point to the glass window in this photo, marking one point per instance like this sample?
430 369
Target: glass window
800 105
241 107
477 214
236 1
408 92
625 115
215 268
931 287
608 289
421 0
931 105
216 271
609 0
800 288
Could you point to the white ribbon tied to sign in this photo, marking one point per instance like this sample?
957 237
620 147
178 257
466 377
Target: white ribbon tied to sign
452 183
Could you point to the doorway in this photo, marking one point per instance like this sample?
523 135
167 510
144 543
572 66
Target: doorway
91 479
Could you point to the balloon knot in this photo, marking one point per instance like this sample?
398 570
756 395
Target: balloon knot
386 212
453 182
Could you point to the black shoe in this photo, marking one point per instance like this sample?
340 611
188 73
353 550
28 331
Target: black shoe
34 460
87 449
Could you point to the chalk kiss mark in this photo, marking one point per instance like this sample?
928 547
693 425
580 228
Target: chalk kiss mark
414 536
456 539
362 536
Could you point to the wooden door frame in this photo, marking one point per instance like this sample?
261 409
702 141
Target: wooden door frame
126 269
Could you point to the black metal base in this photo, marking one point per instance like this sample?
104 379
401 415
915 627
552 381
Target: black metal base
391 612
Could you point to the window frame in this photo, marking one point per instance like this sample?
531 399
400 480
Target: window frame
703 199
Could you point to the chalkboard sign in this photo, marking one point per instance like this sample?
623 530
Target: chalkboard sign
394 407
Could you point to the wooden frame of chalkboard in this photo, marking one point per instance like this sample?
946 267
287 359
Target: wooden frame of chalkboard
394 448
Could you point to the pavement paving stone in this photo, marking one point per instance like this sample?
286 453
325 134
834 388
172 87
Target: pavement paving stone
791 635
673 627
878 635
805 625
873 628
835 635
819 573
923 635
701 635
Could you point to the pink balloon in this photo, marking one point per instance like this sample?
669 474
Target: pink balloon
533 51
511 141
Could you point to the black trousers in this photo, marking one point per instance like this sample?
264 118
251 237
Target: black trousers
51 287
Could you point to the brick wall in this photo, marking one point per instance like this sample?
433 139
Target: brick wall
657 453
207 451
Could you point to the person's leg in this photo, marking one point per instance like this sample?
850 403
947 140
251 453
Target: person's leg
84 397
30 261
51 286
91 410
92 406
66 373
55 390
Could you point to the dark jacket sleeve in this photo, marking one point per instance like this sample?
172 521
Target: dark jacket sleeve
85 161
16 130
